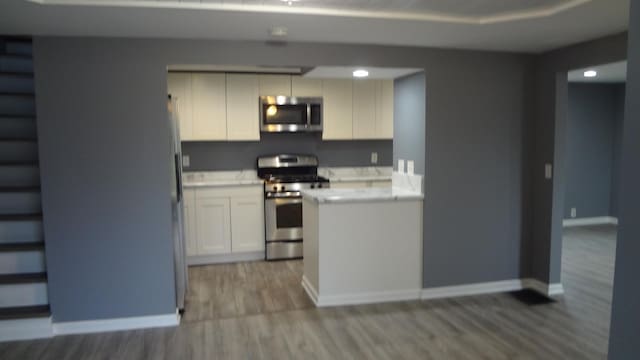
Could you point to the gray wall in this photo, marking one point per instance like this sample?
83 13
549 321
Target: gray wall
409 120
625 313
546 200
243 154
617 148
592 149
106 171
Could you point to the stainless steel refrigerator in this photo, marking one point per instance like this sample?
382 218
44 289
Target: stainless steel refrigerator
177 206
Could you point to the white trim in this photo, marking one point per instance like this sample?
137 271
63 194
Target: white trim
25 329
118 324
310 290
358 298
532 13
600 220
471 289
544 288
224 258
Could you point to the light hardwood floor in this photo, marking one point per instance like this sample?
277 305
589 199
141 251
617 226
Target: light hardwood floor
261 319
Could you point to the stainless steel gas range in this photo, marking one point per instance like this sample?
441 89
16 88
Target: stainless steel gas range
285 176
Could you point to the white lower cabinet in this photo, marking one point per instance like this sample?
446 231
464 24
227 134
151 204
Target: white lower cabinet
247 224
213 217
224 224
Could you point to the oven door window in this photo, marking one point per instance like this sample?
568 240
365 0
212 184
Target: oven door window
289 215
284 114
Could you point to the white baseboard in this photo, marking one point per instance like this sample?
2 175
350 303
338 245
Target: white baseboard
601 220
310 290
129 323
224 258
543 288
492 287
471 289
25 329
358 298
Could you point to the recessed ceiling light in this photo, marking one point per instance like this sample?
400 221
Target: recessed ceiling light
590 73
289 2
279 31
360 73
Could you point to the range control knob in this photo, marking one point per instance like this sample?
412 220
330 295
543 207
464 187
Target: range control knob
275 188
319 186
313 186
283 188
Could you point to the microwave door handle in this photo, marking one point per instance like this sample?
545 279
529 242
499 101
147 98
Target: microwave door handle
308 126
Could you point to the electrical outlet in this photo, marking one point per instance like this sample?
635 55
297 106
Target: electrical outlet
185 160
410 167
374 157
401 166
573 213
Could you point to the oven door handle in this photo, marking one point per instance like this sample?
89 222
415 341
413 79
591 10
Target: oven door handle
293 195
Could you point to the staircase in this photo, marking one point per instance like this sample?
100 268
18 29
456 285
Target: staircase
24 305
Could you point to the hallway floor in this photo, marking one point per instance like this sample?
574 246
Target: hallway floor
261 317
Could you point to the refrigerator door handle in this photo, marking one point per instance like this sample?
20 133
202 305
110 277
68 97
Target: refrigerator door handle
178 177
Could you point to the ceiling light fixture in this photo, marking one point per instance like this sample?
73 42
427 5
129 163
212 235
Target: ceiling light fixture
279 31
590 73
360 73
289 2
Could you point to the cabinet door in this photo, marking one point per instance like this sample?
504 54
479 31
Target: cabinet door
247 223
179 87
273 85
242 107
338 109
213 225
305 87
190 222
209 106
364 109
384 109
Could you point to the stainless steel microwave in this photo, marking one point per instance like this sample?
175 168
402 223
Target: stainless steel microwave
290 114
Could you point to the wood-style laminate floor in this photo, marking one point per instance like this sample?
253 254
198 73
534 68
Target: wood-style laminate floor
264 319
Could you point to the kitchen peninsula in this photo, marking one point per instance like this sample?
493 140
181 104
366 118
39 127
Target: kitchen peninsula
363 245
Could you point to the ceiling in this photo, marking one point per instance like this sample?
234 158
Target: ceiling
608 73
333 72
507 25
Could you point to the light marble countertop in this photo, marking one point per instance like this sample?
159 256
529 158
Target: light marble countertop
361 195
220 178
360 173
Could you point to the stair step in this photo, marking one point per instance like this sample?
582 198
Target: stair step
16 63
24 312
24 246
22 262
20 201
23 278
19 175
21 229
26 293
17 83
18 127
12 104
18 151
19 47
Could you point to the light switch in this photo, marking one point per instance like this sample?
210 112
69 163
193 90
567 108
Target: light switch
374 157
548 171
185 160
410 167
400 166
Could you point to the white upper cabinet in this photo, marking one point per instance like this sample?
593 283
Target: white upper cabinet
209 106
384 109
364 109
338 109
305 87
270 85
242 107
179 87
247 223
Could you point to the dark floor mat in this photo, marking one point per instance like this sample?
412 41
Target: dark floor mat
531 297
